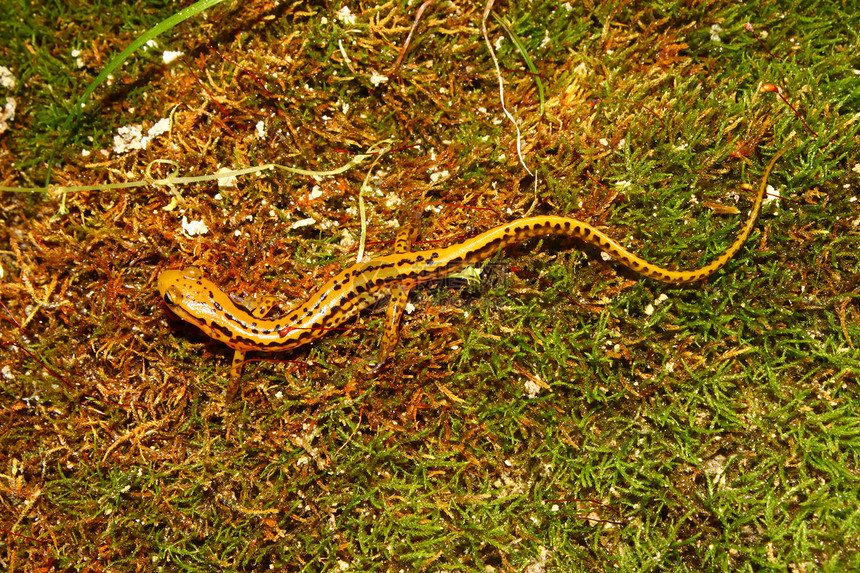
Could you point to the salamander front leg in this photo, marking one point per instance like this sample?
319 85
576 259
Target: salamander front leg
259 307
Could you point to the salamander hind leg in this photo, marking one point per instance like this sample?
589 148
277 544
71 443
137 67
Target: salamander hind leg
260 305
235 376
391 329
406 236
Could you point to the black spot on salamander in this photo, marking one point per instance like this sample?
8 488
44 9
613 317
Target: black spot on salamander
435 255
245 340
489 247
217 305
348 296
419 258
336 287
225 332
558 226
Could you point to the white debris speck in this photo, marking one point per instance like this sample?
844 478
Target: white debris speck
344 107
771 195
856 168
604 142
192 228
79 61
7 80
715 33
377 79
226 182
160 127
393 201
346 240
167 56
649 310
409 308
316 193
261 129
623 184
150 44
532 388
345 15
438 175
6 372
715 466
129 137
546 39
303 223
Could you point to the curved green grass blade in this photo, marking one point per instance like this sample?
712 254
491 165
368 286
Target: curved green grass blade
116 62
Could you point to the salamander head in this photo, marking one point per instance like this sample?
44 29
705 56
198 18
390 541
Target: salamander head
192 298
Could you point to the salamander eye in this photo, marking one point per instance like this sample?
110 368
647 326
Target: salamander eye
172 296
